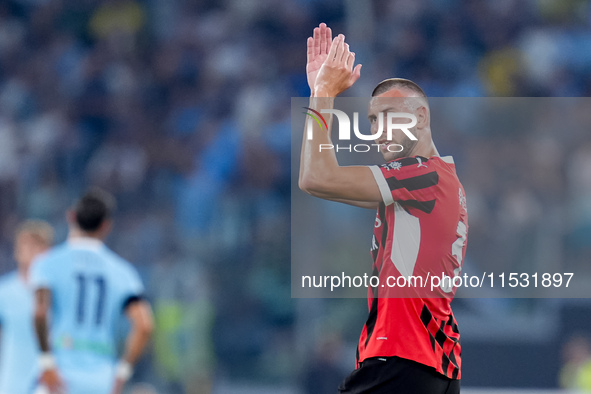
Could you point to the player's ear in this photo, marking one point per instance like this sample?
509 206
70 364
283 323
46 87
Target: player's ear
71 216
422 117
106 227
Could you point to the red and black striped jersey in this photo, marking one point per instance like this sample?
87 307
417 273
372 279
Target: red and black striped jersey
420 230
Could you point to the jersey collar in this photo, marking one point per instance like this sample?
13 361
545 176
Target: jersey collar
85 243
448 159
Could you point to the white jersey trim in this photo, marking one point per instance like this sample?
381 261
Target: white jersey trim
382 185
406 241
85 243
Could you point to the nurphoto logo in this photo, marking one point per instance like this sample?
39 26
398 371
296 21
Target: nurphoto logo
392 123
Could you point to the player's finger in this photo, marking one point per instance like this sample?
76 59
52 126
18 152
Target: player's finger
333 49
346 53
323 43
340 41
356 74
326 34
310 52
350 60
316 41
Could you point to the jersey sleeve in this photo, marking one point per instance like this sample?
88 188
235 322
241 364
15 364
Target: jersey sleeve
134 288
42 274
410 181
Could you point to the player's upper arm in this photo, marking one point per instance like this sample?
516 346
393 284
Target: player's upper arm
42 273
42 303
410 181
133 288
135 306
139 314
353 183
360 204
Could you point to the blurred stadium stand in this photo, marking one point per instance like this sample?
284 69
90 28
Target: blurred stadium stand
181 108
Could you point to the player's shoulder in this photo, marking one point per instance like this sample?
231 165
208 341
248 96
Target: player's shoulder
53 254
115 259
118 263
413 166
8 279
417 162
124 273
56 250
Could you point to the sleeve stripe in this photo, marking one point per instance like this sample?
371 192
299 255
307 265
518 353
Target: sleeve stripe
382 185
133 299
414 183
425 206
409 161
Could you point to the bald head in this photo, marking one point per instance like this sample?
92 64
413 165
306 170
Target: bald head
398 95
398 87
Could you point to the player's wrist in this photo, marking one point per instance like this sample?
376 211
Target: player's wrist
46 361
322 91
123 370
321 102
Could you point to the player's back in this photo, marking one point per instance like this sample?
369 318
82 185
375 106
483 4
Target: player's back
90 287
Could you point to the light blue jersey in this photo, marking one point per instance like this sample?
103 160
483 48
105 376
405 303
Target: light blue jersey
19 350
90 287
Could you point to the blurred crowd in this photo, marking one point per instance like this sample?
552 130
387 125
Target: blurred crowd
182 110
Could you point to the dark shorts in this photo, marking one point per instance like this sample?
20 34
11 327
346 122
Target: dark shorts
394 375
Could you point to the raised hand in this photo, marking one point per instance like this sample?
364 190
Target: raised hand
336 73
318 47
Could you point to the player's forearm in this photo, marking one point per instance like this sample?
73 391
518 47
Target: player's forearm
136 344
142 323
42 331
134 347
360 204
41 320
316 165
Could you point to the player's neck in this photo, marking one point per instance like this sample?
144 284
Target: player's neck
424 148
76 234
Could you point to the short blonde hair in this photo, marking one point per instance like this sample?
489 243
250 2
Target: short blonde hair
40 230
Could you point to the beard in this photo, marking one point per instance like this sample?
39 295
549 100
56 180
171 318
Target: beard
408 146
